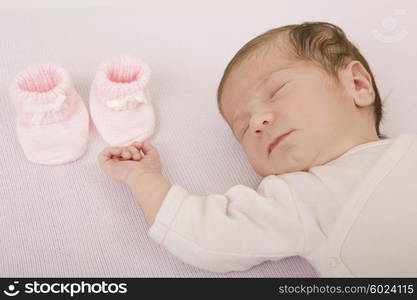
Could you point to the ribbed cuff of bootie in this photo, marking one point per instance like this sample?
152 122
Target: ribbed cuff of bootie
43 93
120 82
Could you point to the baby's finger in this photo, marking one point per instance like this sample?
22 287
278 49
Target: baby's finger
149 149
135 153
126 153
111 151
138 145
108 152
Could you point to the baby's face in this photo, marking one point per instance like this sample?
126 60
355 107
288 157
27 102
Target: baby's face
270 95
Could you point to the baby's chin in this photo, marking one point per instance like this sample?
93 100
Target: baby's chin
278 166
272 170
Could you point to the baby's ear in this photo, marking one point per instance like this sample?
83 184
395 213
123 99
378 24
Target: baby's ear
358 83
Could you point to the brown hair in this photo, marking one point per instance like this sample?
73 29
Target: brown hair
320 42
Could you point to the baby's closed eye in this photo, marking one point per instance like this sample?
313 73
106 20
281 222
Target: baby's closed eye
278 90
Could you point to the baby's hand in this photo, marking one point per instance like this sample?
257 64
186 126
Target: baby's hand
125 163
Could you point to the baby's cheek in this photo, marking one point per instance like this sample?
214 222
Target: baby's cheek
256 158
298 158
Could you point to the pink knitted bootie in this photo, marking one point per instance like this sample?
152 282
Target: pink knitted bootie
120 103
52 121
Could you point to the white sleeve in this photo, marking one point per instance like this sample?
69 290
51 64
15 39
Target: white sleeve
230 232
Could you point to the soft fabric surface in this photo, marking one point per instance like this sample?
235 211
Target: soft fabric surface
72 220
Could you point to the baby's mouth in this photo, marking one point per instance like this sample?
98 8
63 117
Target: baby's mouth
277 141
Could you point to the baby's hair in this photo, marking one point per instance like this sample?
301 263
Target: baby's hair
320 42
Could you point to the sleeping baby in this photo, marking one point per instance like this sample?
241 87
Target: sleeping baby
303 103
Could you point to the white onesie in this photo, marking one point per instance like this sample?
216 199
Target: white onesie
355 216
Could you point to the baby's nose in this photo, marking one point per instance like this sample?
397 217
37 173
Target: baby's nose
265 122
260 122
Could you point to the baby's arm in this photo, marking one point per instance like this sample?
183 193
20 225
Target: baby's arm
219 233
230 232
150 190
